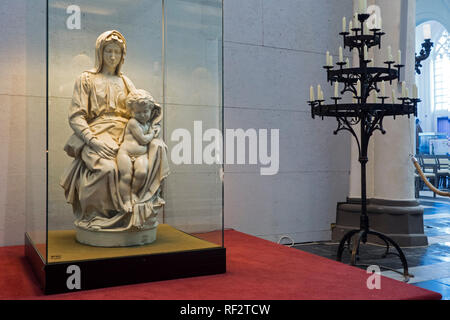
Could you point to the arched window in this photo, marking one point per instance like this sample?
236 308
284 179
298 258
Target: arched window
434 82
441 68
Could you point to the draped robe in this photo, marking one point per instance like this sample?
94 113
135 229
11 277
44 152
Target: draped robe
91 183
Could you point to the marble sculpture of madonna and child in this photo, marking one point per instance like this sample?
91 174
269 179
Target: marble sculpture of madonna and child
114 181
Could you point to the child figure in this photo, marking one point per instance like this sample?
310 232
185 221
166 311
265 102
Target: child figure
132 158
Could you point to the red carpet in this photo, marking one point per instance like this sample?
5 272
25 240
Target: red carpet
257 270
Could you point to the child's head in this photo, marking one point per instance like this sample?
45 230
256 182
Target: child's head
141 105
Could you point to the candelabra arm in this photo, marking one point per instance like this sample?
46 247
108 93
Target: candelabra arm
424 54
377 124
345 125
349 88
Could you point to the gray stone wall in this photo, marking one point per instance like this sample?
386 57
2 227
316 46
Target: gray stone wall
273 52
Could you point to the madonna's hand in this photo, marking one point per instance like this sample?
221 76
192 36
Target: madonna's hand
102 149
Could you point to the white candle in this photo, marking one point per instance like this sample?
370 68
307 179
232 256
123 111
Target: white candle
403 89
328 59
358 88
355 20
366 29
344 24
336 89
390 58
366 53
347 61
393 96
331 61
415 92
427 31
399 59
407 93
375 96
350 27
341 55
319 90
383 89
311 93
362 6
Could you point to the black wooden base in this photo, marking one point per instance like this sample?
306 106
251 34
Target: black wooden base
93 274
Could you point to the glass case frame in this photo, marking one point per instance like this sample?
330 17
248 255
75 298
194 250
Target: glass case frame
175 51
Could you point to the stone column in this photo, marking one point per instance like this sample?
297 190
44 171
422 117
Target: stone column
392 208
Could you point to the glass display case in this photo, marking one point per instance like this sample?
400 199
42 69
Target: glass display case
123 183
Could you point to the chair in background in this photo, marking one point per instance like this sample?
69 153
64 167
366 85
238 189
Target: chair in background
429 166
442 172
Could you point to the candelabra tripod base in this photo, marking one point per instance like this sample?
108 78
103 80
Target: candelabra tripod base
360 235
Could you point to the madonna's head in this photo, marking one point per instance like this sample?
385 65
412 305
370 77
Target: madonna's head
110 49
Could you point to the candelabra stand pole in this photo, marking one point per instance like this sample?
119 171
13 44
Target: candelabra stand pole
363 159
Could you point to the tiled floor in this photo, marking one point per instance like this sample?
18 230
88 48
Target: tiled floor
430 265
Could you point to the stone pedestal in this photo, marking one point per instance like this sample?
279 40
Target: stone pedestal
116 239
402 221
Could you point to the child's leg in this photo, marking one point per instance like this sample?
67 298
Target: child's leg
140 173
125 167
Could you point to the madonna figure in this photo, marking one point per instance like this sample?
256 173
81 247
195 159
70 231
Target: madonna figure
98 116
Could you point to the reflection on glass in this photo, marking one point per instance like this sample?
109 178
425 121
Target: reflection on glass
193 52
193 92
35 102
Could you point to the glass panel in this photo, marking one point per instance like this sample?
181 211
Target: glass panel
193 101
190 59
71 52
35 101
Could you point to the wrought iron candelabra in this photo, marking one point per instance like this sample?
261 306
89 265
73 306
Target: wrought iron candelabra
424 54
361 82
